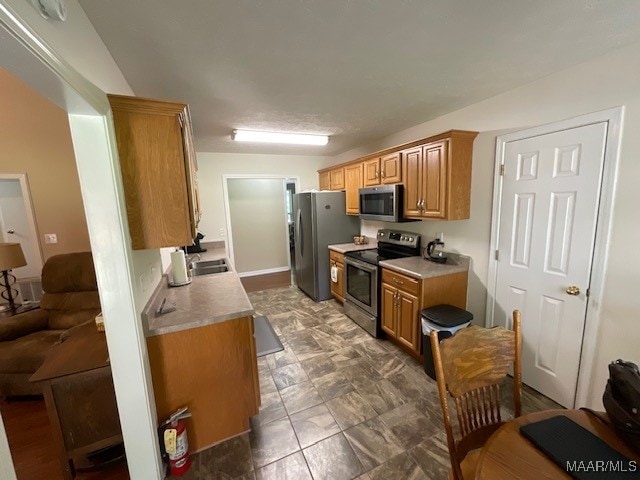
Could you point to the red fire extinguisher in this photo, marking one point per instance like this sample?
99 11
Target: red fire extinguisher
176 443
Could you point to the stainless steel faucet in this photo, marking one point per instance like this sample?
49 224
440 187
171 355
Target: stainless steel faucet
190 259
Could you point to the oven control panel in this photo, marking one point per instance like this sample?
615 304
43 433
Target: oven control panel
405 239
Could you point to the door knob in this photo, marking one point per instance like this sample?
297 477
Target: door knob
11 231
573 290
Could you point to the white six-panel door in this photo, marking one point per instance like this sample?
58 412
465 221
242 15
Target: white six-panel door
548 217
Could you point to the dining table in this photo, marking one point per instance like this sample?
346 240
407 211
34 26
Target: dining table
508 455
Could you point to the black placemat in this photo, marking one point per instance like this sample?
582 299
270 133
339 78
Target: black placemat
577 451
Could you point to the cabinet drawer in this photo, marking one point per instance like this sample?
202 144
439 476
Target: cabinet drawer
336 257
402 282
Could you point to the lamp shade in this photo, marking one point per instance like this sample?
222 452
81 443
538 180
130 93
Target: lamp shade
11 256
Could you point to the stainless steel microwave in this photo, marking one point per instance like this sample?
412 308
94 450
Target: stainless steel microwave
382 203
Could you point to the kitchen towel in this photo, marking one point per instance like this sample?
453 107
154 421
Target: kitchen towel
334 274
179 267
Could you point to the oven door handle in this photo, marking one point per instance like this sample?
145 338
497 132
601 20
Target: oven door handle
362 265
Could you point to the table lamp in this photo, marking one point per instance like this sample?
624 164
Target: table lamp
11 256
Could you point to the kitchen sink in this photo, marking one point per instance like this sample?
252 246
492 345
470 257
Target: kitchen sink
198 269
209 263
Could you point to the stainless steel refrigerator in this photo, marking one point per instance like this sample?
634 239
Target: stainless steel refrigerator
320 220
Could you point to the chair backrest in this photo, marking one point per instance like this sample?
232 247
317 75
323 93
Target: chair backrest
470 367
71 290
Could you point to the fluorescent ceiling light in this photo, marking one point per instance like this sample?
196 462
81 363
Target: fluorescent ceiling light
275 137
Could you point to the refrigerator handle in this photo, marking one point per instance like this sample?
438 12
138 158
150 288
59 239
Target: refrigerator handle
298 222
300 229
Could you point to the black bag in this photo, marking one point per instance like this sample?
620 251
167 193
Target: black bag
621 400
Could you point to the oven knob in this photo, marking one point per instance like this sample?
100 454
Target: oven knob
411 239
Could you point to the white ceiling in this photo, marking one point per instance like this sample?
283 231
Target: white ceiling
357 70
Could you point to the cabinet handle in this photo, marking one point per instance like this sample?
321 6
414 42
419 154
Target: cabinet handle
399 282
421 206
377 174
384 175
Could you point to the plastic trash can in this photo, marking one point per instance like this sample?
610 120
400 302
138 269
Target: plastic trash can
444 319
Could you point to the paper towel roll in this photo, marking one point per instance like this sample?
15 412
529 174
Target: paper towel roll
179 267
334 274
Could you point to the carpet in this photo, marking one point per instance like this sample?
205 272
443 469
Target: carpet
267 340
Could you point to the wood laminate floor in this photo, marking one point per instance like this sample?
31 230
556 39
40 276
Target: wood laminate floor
32 447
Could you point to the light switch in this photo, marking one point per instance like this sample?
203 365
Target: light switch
50 238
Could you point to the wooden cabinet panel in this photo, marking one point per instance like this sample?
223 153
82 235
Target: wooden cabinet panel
408 323
391 168
336 179
372 172
212 370
434 180
403 282
324 181
411 174
388 317
353 182
336 256
155 148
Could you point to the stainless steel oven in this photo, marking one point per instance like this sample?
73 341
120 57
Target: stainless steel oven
361 282
362 276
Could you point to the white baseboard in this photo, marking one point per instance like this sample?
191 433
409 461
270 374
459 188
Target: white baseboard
263 272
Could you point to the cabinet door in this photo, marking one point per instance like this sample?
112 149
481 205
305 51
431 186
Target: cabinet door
191 170
372 172
434 183
156 171
352 183
411 173
407 327
391 168
336 179
337 288
388 321
324 181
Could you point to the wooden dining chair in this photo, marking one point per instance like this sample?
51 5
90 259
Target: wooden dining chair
470 367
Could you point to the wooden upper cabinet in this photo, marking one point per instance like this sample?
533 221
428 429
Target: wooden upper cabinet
158 165
412 169
371 172
324 181
336 179
352 183
437 177
383 170
391 168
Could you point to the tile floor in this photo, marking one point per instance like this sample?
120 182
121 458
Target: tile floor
336 404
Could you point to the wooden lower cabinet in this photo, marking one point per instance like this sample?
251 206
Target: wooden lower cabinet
403 298
212 370
337 288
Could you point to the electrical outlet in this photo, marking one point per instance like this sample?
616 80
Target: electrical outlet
50 238
441 236
222 232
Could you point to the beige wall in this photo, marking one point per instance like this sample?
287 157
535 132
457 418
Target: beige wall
606 82
258 223
35 140
212 166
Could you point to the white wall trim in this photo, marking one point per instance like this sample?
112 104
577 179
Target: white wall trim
227 210
28 206
264 272
92 133
614 118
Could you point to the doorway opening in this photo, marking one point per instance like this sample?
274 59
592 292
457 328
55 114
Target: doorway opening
259 218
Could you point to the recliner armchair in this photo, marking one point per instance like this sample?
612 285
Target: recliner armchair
70 299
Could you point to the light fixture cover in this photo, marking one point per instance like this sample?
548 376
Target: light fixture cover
277 137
